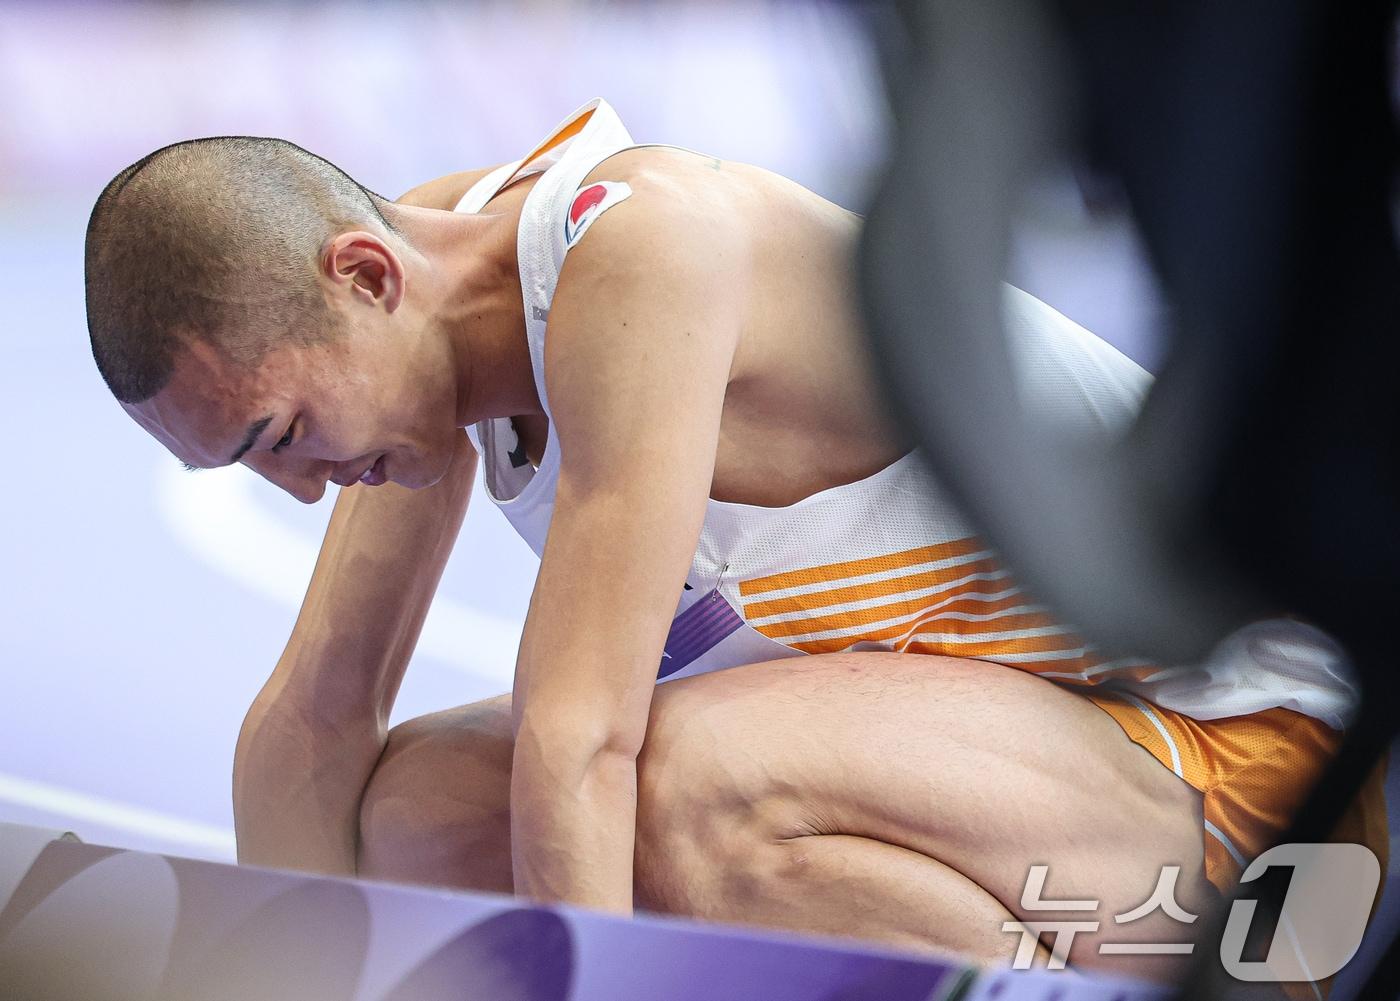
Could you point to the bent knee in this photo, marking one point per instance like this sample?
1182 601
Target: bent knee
437 807
711 822
393 826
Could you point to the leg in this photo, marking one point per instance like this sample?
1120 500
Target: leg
437 812
900 798
437 808
905 798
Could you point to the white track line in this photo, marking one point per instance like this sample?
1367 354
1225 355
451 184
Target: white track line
82 807
216 517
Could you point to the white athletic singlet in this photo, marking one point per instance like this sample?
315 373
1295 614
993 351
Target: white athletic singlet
887 562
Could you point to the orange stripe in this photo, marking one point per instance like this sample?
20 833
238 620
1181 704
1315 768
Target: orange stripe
855 568
912 614
986 650
906 610
991 650
1028 620
566 133
811 602
1072 664
909 618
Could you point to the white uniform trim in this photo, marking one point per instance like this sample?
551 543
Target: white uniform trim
1234 852
1097 669
1156 721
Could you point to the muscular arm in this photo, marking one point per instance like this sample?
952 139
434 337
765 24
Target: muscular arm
637 390
317 728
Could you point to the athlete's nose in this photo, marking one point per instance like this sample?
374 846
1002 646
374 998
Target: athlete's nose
306 481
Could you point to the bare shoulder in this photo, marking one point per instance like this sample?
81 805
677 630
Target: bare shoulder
708 220
443 192
651 300
689 183
685 225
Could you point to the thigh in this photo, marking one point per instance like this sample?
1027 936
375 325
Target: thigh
986 769
437 808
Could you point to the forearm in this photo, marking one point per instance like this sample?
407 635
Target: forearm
315 732
375 577
297 785
573 825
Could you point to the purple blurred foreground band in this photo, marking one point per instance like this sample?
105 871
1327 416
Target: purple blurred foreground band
85 922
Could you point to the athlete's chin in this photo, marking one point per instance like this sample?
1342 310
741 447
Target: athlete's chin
415 473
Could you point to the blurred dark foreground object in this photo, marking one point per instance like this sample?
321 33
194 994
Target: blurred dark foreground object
1255 142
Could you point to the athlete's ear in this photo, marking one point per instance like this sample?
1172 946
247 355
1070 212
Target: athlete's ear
364 267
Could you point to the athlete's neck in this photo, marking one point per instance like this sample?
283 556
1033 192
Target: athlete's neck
471 286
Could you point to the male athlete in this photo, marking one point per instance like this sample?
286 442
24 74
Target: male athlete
658 358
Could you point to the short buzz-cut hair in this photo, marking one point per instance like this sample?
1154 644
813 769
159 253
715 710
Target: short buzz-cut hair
214 239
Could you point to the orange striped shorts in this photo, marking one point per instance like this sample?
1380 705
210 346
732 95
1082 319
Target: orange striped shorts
1253 772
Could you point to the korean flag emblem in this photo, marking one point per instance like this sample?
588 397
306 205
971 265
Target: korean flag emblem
589 203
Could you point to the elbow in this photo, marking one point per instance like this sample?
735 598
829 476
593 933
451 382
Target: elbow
572 748
620 741
250 741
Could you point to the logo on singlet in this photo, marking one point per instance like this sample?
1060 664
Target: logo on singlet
588 204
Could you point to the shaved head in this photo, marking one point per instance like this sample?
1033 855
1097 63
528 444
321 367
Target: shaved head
214 240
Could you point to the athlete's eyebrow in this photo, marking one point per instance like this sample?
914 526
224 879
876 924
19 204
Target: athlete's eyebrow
255 431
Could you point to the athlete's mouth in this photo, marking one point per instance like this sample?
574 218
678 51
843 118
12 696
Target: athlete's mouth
375 475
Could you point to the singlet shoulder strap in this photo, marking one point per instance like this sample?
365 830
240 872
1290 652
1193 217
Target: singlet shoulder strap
486 188
537 160
570 151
